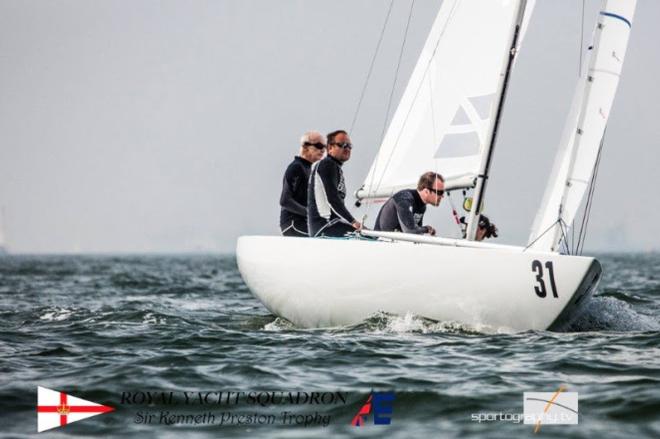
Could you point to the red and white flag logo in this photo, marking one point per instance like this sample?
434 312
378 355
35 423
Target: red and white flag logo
56 409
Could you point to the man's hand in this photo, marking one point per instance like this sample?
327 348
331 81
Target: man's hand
481 233
430 230
357 225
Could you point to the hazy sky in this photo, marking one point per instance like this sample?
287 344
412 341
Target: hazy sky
166 125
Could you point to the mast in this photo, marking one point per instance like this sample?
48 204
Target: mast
482 176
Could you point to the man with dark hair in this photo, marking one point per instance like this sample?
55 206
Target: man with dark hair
404 211
293 215
326 213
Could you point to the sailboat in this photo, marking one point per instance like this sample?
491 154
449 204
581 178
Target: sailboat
447 121
3 240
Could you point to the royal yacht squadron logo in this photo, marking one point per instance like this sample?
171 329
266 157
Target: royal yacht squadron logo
57 409
379 404
550 408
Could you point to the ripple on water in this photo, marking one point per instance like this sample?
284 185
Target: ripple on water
611 314
107 324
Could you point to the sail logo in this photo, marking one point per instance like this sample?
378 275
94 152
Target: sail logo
57 409
550 408
380 405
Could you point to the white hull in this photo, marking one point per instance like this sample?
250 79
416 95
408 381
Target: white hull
335 282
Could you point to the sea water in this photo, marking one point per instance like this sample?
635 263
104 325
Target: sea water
177 345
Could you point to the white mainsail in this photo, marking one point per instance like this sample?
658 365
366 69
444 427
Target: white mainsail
444 116
585 127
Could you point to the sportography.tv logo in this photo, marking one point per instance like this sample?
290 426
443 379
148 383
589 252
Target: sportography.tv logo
550 408
380 405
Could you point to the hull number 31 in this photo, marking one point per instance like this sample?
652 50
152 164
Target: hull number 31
540 288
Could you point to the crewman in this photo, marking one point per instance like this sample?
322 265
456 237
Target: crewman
293 215
326 213
404 211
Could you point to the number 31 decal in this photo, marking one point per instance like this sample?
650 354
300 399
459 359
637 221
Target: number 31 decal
537 268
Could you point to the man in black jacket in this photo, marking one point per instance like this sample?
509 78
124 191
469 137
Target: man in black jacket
293 216
326 213
404 211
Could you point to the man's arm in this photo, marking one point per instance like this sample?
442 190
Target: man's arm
330 178
403 205
291 181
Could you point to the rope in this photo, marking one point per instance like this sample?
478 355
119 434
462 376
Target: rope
371 67
454 212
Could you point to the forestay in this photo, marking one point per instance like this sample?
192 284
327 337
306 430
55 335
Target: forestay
444 115
585 127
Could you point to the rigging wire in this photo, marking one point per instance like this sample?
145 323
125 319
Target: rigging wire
389 103
573 236
587 209
564 228
371 66
434 134
581 40
544 232
396 72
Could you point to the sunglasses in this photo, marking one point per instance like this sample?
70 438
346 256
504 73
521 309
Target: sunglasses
438 192
345 145
318 145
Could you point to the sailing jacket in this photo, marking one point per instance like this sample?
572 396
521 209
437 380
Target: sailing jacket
325 196
294 196
403 212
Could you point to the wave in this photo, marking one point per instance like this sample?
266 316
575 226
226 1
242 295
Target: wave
609 313
103 316
56 314
279 324
602 313
631 298
387 323
382 322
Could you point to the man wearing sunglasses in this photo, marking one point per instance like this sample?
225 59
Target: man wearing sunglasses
404 211
327 214
293 215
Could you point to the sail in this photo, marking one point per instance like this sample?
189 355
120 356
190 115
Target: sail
585 127
444 116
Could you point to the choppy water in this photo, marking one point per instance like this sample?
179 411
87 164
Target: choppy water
99 326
